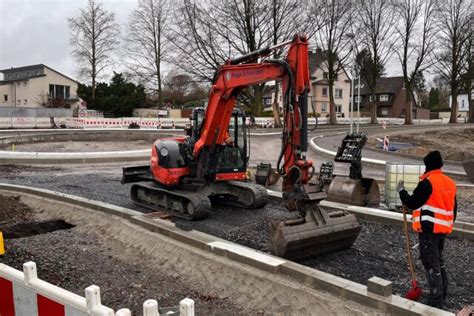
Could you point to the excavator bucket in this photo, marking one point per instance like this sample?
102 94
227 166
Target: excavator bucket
359 192
321 231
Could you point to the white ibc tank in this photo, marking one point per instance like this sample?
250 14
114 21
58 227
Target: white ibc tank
395 172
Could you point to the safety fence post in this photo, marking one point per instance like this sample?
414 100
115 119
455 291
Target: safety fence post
150 308
186 307
123 312
30 273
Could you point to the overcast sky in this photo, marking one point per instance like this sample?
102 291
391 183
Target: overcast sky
36 32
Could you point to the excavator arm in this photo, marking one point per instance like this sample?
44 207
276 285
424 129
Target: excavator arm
240 73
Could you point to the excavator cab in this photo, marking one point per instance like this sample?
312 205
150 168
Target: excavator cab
232 156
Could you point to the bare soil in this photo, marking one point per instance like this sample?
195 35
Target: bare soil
454 144
82 146
73 260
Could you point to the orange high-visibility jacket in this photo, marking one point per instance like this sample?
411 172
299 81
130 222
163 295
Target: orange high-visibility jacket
439 209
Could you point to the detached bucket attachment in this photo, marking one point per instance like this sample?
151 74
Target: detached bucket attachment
358 192
321 231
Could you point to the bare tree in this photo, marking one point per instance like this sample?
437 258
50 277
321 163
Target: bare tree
469 74
453 35
415 33
94 36
335 18
287 18
217 30
146 43
376 34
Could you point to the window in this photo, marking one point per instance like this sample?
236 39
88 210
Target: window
384 97
324 107
357 99
338 93
326 75
325 91
5 98
18 102
25 101
267 101
462 104
59 91
37 72
338 108
371 98
384 112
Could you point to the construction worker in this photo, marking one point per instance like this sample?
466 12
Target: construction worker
434 211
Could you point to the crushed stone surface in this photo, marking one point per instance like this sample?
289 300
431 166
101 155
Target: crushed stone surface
378 251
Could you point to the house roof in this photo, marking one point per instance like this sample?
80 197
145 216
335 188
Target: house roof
315 59
31 67
387 85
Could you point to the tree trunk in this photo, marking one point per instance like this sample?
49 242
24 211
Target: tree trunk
332 105
257 101
373 113
276 108
454 106
408 108
471 103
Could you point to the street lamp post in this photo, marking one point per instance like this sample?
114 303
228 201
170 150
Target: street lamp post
358 103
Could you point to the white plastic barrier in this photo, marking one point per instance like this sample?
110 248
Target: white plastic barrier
5 122
22 293
44 122
23 122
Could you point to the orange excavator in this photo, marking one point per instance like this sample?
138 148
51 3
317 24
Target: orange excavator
187 173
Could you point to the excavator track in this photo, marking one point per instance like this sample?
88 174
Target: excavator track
189 205
244 194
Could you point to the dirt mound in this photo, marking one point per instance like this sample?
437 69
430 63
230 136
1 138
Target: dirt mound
454 144
12 210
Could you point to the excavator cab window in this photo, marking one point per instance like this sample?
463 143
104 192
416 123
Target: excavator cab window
232 155
197 120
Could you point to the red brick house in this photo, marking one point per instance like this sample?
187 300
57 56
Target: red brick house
390 97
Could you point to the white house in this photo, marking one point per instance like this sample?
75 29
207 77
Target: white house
37 86
319 94
463 101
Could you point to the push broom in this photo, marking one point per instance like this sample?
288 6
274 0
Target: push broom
414 293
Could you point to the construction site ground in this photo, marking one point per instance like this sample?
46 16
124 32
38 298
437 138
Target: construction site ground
82 146
455 144
378 251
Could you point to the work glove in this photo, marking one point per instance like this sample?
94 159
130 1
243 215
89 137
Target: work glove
400 186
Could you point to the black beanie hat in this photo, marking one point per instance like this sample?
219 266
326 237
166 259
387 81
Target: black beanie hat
433 160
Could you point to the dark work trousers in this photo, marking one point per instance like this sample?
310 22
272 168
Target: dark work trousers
431 254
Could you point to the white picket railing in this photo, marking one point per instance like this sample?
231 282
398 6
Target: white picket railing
24 294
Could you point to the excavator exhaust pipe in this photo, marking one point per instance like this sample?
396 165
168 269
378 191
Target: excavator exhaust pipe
322 231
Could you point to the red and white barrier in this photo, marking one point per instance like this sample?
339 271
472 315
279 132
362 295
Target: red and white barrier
386 143
22 293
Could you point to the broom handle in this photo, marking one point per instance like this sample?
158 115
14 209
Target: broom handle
407 244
